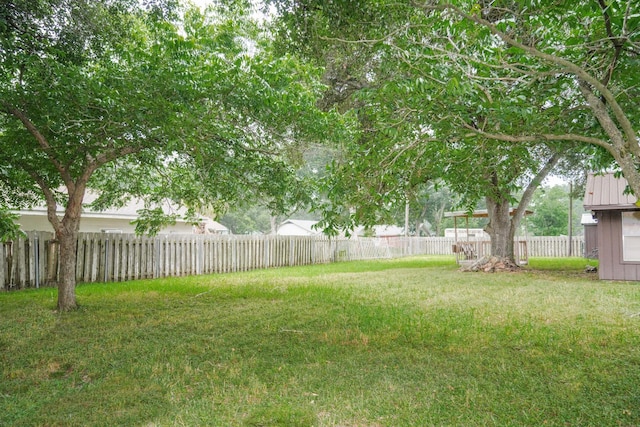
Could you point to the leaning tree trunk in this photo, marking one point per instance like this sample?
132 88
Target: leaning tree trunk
501 229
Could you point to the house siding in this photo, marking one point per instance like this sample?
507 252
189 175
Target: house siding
611 266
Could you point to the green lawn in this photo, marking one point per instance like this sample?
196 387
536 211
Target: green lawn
410 342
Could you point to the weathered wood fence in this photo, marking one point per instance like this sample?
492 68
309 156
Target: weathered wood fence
33 262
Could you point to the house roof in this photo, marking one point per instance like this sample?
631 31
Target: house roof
127 212
306 225
607 192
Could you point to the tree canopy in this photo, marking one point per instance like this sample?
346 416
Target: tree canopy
515 71
485 95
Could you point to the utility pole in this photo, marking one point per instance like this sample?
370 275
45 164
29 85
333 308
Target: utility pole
406 217
570 225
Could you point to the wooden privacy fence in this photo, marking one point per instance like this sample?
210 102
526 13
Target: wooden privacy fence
102 257
555 246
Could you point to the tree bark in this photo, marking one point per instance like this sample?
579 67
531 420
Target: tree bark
501 229
502 225
66 231
68 241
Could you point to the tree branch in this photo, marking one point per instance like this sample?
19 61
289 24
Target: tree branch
365 41
600 111
50 199
618 44
42 141
540 137
571 67
527 196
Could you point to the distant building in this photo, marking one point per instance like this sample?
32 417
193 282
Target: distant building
380 231
301 227
298 227
117 220
467 233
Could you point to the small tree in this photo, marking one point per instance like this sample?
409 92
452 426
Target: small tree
145 101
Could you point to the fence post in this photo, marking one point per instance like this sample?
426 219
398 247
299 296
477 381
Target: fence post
3 265
36 260
291 251
21 263
234 255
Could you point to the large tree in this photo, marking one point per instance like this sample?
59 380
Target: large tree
512 77
140 98
376 176
568 68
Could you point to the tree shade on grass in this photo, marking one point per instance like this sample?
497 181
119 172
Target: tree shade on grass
402 343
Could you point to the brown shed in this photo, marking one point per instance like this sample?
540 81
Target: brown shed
618 229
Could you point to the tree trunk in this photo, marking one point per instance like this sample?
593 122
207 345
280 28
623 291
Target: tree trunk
68 241
502 225
67 236
501 229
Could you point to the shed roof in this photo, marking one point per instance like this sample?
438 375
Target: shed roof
607 192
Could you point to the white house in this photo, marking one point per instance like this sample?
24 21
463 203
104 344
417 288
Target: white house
467 233
298 227
381 231
117 220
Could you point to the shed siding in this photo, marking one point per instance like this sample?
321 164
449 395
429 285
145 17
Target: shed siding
605 267
591 241
611 266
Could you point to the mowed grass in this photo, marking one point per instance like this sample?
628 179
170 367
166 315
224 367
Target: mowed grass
409 342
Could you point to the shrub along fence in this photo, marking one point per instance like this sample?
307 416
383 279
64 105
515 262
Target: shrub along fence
103 257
